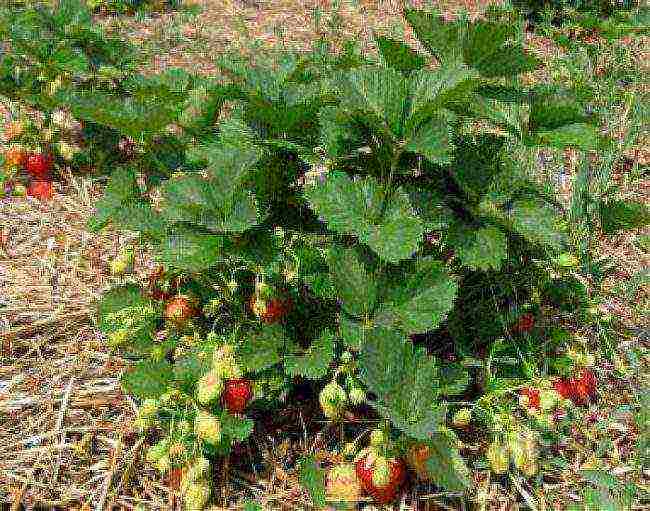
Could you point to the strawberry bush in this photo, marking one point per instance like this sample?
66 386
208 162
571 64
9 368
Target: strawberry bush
369 226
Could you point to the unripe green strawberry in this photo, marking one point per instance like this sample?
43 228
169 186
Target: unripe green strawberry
19 190
171 397
142 424
548 399
122 262
209 387
148 408
497 455
157 451
357 396
118 338
177 450
164 464
462 418
349 449
332 400
378 438
224 363
184 428
381 472
197 496
200 469
208 428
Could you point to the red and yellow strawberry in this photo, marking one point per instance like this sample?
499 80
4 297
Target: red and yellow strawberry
529 398
271 310
380 477
179 310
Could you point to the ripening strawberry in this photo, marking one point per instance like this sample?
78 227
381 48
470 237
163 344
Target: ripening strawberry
15 156
343 484
41 189
380 477
13 130
38 165
270 311
236 394
179 310
530 398
209 388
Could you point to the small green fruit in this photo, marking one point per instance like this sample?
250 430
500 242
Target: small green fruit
208 428
462 418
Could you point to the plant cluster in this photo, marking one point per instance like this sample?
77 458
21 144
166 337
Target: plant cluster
370 226
131 7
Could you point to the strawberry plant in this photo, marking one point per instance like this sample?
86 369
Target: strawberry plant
132 6
348 220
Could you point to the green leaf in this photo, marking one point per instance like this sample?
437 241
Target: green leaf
236 428
122 188
191 251
314 363
338 135
554 109
600 478
115 300
312 478
353 333
355 287
454 379
490 48
433 139
230 156
201 201
484 248
621 215
445 466
355 207
442 39
398 55
429 205
147 379
580 135
375 91
252 506
404 380
261 350
419 301
534 220
431 90
192 365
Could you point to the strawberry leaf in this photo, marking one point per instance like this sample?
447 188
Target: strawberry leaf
261 350
404 381
356 207
419 301
312 478
315 362
398 55
147 379
354 285
444 465
480 249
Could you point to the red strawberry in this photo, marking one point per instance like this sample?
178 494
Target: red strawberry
383 494
563 387
236 394
179 310
589 381
533 397
40 189
525 323
38 165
